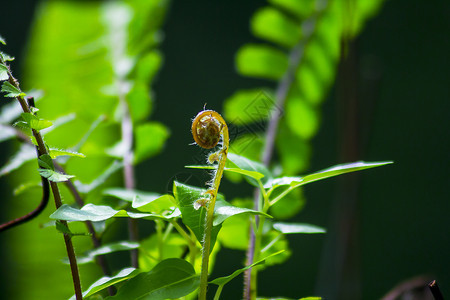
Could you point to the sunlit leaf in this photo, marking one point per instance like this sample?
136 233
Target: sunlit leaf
54 152
288 206
86 188
11 91
248 106
302 118
295 152
24 154
92 212
288 228
152 252
35 122
261 61
6 133
271 24
106 249
150 140
54 176
171 278
3 72
251 174
107 281
249 165
327 173
301 9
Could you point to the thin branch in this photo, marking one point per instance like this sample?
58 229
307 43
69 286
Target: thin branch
34 213
42 149
281 95
434 288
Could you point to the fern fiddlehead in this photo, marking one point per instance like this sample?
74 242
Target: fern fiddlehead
209 129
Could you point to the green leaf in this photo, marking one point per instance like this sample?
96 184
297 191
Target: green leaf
11 91
327 173
261 61
35 122
272 25
301 9
288 228
249 165
149 253
195 219
248 106
139 101
144 201
171 278
54 152
106 249
6 132
54 176
95 213
107 281
302 118
288 206
234 233
295 152
150 139
224 280
251 174
86 188
158 205
2 40
25 154
46 162
3 72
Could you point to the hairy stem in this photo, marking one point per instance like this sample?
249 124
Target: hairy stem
211 204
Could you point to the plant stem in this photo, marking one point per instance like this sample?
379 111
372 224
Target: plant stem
434 288
281 95
42 149
211 204
159 234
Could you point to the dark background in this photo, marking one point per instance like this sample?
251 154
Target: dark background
399 222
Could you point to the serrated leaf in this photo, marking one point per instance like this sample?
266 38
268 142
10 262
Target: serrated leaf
11 91
54 176
24 154
249 165
271 24
106 249
261 61
54 153
171 278
288 228
35 122
3 72
107 281
46 162
224 280
150 140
